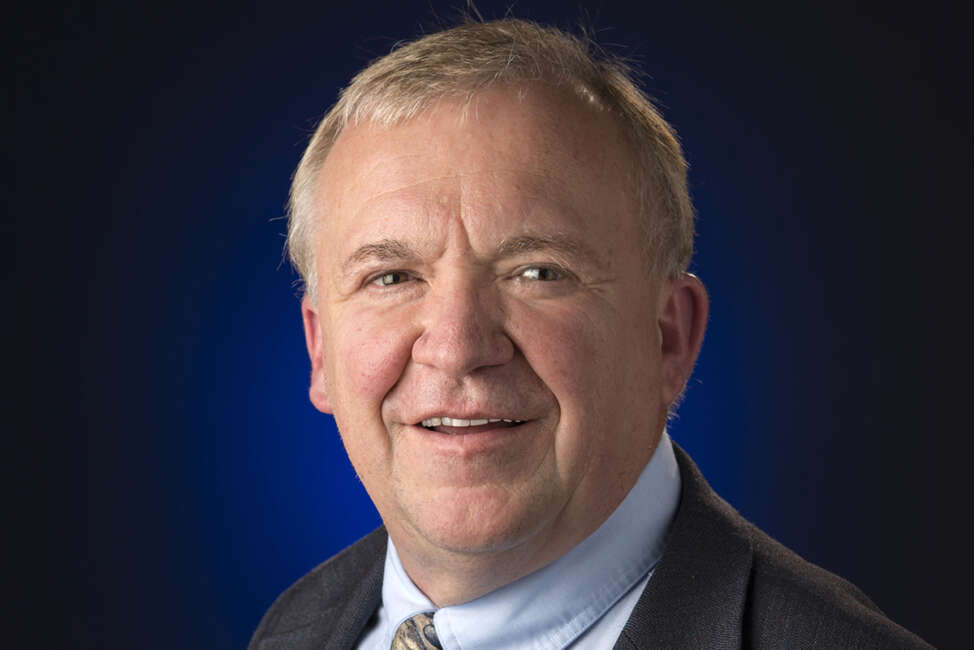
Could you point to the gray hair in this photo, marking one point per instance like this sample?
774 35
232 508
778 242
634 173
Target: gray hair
459 62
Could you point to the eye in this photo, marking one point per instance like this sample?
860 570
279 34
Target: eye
390 278
541 273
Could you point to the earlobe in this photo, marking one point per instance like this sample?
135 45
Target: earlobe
682 321
318 392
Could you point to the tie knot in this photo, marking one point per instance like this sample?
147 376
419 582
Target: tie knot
416 633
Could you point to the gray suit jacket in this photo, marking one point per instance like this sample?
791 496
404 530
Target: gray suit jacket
721 583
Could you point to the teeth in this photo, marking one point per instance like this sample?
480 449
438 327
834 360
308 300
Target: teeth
460 422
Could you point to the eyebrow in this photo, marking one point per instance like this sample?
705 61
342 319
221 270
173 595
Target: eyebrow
557 243
384 250
397 250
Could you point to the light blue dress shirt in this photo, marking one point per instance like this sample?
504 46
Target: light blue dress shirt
581 600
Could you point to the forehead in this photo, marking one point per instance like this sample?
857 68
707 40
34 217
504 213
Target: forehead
539 152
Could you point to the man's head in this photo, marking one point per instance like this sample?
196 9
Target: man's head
497 352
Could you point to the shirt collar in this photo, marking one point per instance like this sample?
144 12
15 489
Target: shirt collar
588 580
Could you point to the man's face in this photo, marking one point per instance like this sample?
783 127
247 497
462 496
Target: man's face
488 267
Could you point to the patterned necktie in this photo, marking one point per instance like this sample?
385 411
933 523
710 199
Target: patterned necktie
416 633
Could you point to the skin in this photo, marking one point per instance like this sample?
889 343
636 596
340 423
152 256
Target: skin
487 262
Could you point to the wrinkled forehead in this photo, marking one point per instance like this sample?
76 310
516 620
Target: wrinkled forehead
556 135
506 165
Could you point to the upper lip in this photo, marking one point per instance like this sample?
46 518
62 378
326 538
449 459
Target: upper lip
463 414
447 420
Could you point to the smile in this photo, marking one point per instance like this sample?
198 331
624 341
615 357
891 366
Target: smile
461 422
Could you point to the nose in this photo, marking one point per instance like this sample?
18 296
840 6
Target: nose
462 329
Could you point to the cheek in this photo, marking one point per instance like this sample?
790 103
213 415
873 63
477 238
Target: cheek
598 363
366 358
565 347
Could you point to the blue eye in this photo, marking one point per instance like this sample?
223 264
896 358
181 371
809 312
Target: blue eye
541 273
390 278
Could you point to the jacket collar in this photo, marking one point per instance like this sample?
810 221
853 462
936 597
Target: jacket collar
696 597
334 609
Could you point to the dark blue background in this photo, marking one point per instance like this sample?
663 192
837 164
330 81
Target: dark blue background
180 479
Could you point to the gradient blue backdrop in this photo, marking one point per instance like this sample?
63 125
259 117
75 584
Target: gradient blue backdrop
183 479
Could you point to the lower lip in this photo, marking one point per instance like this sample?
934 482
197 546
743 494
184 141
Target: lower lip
464 442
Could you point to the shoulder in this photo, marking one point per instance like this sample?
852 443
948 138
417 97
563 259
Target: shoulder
723 583
336 598
792 602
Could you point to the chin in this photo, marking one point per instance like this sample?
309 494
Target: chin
478 520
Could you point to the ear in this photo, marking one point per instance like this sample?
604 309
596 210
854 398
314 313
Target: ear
313 340
682 321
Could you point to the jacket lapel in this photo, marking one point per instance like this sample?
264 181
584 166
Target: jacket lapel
349 615
696 596
333 610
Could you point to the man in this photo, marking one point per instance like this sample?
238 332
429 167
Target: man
494 229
